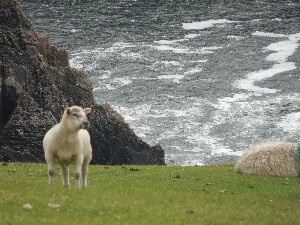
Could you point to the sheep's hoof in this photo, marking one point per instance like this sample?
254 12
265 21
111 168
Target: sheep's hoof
77 185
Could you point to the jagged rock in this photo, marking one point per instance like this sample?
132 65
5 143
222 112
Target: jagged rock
36 85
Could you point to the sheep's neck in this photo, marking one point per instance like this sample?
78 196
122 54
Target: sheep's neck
67 132
64 129
67 136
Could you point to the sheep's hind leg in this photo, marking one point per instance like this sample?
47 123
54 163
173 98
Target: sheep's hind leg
65 175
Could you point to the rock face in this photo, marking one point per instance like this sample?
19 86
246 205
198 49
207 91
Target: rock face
36 85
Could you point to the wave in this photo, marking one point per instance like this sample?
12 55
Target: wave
282 50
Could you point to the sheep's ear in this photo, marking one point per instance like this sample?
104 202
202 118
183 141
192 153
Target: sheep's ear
68 110
87 110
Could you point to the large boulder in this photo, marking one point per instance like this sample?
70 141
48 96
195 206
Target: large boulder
36 85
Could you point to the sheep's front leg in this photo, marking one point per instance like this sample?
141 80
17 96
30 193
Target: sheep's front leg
65 175
77 170
51 173
84 172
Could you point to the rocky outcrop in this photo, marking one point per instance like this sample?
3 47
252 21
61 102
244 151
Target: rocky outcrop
36 85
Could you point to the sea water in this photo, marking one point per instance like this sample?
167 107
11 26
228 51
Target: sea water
205 79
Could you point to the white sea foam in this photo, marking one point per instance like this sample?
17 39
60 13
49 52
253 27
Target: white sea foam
203 136
169 42
184 159
226 102
193 162
176 78
237 38
290 123
196 136
123 80
141 112
83 58
264 34
143 131
108 83
191 36
205 24
210 50
121 45
193 71
200 61
177 113
219 151
135 114
173 49
107 87
104 77
249 82
204 50
173 63
283 50
71 62
74 31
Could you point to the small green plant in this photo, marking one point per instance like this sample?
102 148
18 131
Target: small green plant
3 27
147 195
5 46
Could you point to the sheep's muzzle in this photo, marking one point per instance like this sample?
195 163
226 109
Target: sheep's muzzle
85 125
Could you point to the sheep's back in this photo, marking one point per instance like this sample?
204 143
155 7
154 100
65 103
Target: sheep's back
270 159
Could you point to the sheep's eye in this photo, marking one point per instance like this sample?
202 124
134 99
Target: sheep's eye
75 115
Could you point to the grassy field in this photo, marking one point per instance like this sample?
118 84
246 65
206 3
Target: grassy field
148 195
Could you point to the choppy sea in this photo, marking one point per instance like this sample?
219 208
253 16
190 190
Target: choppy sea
205 79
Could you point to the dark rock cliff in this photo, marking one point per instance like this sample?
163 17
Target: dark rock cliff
36 84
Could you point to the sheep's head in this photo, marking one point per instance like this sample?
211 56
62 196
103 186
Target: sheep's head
76 117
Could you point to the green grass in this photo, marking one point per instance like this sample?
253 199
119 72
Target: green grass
149 195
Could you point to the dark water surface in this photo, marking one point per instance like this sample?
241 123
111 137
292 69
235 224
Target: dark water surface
205 79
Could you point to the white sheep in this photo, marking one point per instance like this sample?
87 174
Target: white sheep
69 142
271 159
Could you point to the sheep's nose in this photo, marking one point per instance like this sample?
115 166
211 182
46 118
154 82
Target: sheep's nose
85 124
